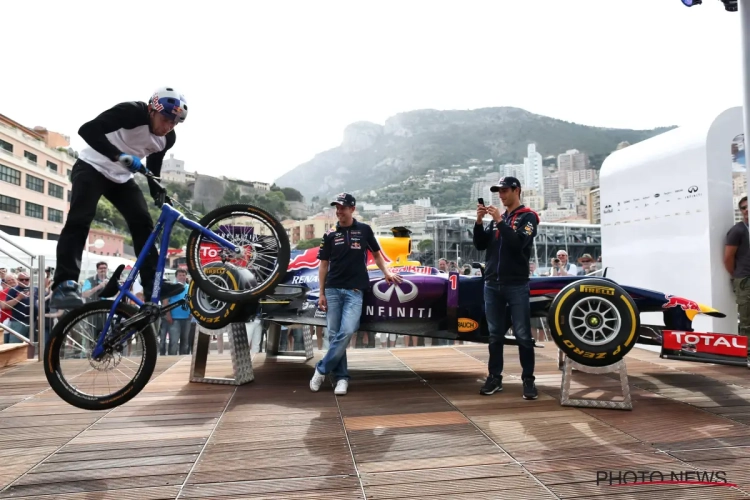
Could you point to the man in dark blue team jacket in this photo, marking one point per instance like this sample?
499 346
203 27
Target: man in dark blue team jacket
508 240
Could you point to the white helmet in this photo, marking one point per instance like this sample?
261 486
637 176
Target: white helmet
170 103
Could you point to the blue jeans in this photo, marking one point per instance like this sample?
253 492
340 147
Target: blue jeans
344 311
499 300
179 331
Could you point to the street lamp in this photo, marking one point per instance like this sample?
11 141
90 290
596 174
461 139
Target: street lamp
114 229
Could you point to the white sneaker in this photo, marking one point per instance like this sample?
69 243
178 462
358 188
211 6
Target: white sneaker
316 381
341 387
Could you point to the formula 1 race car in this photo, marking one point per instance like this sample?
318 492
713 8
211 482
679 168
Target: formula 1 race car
593 320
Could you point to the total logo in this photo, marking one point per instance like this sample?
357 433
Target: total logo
711 340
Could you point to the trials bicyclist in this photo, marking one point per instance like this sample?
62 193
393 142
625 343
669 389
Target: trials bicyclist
120 136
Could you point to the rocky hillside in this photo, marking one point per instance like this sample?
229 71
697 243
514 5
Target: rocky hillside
411 143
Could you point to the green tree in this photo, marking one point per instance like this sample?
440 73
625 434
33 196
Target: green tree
305 244
181 191
292 194
425 245
231 195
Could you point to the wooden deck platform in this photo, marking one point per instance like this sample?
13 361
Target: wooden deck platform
412 426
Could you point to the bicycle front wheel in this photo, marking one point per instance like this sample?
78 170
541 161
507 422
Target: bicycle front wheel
259 266
114 379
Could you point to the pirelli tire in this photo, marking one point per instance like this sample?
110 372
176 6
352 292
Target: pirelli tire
212 313
594 322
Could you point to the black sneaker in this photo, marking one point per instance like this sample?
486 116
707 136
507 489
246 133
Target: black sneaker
492 385
529 389
66 296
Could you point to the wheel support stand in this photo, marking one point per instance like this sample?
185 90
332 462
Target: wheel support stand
619 367
242 363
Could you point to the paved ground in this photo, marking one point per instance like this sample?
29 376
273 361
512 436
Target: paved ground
412 426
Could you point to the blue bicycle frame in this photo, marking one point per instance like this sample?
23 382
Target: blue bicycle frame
166 222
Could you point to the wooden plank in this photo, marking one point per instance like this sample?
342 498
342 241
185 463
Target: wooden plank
13 354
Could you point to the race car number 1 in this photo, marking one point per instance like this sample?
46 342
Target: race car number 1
454 281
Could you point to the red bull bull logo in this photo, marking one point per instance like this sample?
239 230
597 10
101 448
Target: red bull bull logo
685 304
306 260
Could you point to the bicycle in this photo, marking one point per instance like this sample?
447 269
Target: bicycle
217 292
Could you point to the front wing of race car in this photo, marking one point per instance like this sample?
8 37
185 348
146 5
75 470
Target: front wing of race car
719 348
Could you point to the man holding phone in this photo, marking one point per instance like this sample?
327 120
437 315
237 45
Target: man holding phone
507 240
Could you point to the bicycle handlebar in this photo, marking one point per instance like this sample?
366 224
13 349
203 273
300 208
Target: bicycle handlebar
128 162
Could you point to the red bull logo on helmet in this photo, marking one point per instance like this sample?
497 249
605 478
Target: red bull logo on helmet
685 304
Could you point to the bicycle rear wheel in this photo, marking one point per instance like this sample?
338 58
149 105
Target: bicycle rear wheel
261 264
101 384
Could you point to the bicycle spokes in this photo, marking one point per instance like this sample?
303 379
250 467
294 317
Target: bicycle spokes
112 371
258 243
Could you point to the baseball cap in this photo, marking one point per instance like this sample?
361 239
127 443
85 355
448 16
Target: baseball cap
344 199
509 182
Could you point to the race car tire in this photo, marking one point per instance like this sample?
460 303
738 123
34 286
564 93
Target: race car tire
594 322
212 313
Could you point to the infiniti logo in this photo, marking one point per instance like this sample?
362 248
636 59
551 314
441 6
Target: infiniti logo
388 293
692 189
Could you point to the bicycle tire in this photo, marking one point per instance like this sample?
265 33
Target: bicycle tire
69 394
196 270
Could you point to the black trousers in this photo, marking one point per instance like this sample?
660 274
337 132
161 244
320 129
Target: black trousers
88 187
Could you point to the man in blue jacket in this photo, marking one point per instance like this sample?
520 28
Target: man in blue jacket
508 240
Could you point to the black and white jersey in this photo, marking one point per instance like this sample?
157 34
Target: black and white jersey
124 128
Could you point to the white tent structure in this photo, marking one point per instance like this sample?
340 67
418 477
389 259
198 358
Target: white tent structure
666 208
12 258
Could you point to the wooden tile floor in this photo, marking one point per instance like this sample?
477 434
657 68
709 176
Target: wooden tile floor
412 426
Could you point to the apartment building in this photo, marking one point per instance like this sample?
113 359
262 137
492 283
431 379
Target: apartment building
173 170
35 166
310 228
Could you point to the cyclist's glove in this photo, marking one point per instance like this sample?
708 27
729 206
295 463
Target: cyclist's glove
133 163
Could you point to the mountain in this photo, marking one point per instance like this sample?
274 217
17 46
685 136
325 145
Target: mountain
373 155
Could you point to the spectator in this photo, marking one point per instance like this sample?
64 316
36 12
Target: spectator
443 266
93 286
587 264
737 264
5 310
17 300
563 267
178 320
532 269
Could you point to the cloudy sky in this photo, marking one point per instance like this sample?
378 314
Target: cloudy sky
270 84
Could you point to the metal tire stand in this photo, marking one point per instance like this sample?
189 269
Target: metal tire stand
273 340
569 364
242 364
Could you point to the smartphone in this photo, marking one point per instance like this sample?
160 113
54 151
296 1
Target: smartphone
481 201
